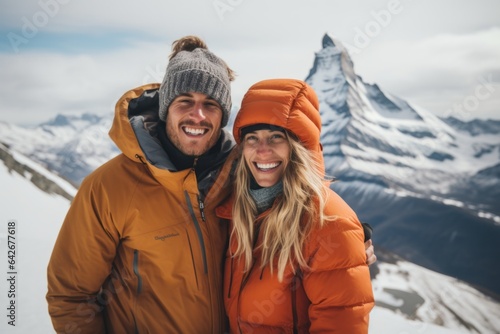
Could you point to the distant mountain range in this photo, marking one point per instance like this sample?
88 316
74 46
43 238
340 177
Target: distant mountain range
429 186
71 146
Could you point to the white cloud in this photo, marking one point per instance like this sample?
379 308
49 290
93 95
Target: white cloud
38 85
430 53
440 71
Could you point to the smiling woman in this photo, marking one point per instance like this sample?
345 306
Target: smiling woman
266 152
296 257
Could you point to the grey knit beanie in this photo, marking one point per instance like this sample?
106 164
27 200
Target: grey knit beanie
197 71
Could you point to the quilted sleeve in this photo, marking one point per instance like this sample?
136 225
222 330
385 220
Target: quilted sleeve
338 282
80 263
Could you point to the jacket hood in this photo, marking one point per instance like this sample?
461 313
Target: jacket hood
123 129
287 103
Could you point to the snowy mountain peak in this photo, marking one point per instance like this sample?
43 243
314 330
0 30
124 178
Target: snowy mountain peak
330 73
327 41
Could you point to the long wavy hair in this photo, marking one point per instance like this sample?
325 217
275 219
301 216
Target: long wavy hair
291 218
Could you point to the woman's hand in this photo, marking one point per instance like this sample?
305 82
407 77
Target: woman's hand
371 258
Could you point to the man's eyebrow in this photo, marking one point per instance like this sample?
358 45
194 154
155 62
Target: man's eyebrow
191 95
185 94
211 98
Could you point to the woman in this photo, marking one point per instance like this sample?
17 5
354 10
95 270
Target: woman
296 261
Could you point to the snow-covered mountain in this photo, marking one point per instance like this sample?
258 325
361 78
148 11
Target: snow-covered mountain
410 299
429 186
403 147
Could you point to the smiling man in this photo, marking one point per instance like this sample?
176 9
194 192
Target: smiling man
140 250
194 123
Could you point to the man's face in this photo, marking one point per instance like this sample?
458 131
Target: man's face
194 123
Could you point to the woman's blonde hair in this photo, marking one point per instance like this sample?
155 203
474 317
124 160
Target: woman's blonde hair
289 222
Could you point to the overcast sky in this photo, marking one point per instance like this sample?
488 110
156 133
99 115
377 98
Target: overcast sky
74 56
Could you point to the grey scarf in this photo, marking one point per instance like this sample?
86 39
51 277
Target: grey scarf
264 197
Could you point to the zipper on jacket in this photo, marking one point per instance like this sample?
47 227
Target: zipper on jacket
198 231
294 286
202 209
135 266
247 276
230 279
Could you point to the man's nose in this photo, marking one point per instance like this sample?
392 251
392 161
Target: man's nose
198 112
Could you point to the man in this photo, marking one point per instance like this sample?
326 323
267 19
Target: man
141 250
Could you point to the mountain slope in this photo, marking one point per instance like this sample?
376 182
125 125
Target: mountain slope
427 297
37 201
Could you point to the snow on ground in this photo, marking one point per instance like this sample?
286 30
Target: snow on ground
38 217
384 321
418 293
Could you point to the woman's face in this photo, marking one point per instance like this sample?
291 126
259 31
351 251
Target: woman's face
267 153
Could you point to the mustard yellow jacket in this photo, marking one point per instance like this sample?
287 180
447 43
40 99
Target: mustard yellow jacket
140 250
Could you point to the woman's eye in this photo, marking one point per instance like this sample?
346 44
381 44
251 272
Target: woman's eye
277 138
251 139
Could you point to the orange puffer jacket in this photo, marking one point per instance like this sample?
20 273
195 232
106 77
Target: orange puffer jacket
140 250
333 295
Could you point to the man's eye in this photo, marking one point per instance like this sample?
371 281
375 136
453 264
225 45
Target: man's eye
211 105
184 101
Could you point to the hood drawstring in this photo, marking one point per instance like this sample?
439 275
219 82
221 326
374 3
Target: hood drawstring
141 159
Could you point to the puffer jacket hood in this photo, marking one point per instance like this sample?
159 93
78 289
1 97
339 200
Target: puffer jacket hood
289 103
